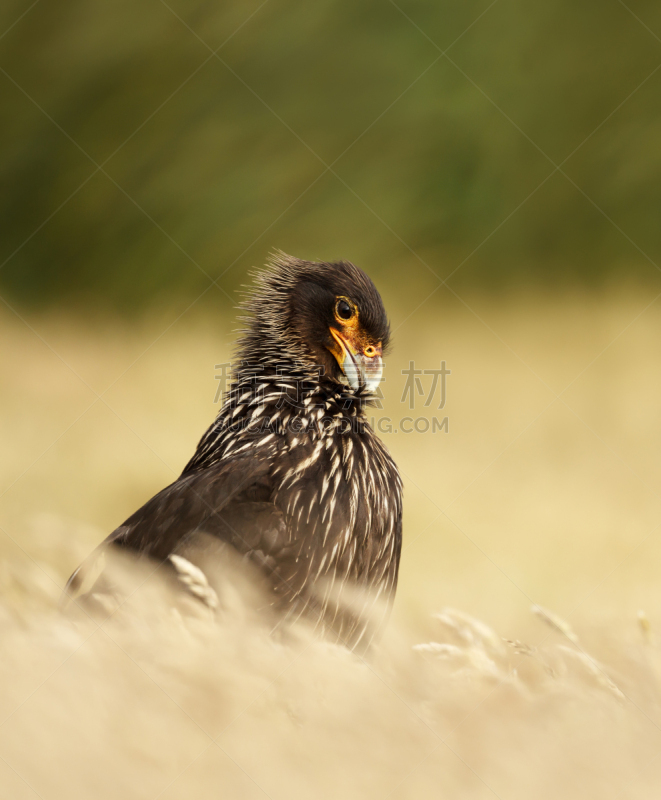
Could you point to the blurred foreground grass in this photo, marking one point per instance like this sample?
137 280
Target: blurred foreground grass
544 491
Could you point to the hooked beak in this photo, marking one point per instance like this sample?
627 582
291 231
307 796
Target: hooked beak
360 369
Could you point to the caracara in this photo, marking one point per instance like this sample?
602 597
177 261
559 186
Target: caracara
290 475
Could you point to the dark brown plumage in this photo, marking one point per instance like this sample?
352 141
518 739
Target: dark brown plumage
290 474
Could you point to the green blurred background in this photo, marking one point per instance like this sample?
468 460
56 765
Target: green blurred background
137 165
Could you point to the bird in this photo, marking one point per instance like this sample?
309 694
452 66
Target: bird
290 475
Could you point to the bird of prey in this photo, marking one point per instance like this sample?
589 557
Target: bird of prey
290 475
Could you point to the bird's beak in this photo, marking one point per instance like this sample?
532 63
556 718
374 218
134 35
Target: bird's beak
360 369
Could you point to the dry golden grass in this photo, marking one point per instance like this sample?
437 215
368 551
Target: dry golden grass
530 500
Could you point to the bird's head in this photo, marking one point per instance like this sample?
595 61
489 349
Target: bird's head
317 314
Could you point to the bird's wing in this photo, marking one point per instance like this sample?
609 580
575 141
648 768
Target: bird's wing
201 501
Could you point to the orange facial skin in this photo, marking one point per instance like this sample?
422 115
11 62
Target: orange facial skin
352 346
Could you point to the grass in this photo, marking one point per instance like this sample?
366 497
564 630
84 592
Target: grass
543 495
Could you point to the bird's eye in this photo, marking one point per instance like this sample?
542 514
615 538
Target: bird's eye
343 310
